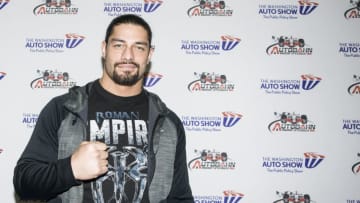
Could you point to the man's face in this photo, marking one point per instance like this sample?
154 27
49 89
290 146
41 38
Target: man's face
126 54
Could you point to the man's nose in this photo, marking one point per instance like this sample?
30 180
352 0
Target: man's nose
128 53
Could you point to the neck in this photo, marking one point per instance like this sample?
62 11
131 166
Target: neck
121 90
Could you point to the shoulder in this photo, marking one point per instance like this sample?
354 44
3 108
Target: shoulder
61 103
164 110
159 105
75 100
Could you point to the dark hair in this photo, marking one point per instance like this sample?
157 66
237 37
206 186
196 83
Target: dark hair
128 19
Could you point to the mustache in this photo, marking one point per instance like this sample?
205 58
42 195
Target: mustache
127 62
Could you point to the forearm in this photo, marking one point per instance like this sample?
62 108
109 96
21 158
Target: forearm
38 180
38 173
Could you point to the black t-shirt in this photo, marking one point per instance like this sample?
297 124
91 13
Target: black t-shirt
122 124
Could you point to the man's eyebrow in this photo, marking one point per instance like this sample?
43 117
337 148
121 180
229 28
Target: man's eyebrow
117 40
123 41
142 43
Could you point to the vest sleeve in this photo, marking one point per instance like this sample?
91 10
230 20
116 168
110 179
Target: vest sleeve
38 173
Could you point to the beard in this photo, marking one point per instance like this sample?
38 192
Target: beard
126 79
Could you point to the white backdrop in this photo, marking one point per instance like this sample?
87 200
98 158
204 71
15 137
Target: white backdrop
285 119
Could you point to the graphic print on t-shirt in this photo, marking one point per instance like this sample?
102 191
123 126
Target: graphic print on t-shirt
125 134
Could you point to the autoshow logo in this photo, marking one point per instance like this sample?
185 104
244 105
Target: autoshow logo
288 86
210 82
287 11
210 8
151 79
120 8
291 122
47 45
203 47
229 196
210 123
3 3
211 159
56 7
151 5
352 127
2 75
356 167
354 11
350 49
292 165
49 79
288 46
292 197
354 89
30 119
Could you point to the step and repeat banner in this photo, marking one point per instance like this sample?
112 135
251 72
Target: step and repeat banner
268 90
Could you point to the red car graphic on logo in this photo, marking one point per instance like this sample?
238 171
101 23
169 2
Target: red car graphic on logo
58 3
211 4
292 118
290 41
290 197
212 78
356 4
207 155
54 75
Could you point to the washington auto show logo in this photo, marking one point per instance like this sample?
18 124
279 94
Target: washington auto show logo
210 82
152 79
353 11
354 88
210 8
229 196
2 75
210 123
293 197
351 126
289 86
292 165
3 3
209 47
53 45
30 119
288 45
211 159
117 8
56 7
287 11
291 122
349 49
49 79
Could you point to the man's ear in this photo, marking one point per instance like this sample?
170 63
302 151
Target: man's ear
151 51
103 49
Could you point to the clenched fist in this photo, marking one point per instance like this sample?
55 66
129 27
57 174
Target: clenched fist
89 160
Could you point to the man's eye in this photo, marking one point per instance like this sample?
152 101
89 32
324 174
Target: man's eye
118 45
140 48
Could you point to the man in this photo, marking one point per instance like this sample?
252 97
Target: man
111 140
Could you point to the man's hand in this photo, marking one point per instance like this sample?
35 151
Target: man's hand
89 160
